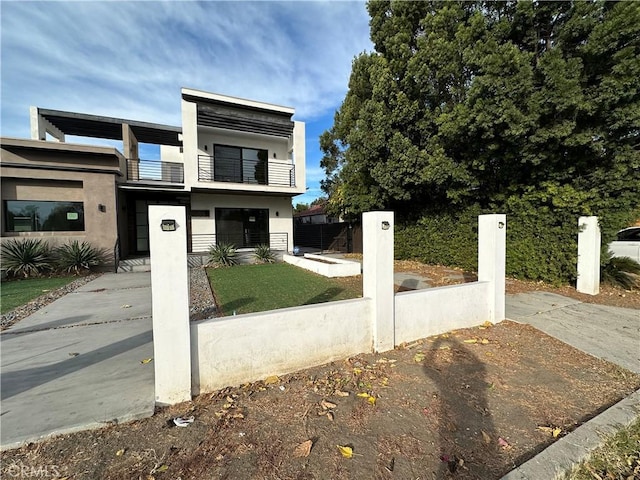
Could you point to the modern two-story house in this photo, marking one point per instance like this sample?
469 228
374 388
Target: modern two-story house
235 164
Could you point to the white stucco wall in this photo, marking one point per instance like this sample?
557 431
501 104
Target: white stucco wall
299 155
589 242
233 350
170 153
208 136
195 138
281 223
170 305
189 143
432 311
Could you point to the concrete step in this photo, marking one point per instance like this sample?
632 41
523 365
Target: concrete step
141 264
133 268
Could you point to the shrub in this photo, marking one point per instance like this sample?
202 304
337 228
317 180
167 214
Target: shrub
223 254
263 254
26 257
75 256
541 244
621 272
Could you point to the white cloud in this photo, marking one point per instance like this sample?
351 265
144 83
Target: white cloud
129 59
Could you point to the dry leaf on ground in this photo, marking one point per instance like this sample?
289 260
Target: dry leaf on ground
346 451
303 449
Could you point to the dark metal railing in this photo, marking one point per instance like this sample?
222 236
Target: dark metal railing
200 243
257 172
116 255
155 170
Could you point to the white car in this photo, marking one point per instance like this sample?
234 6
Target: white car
627 244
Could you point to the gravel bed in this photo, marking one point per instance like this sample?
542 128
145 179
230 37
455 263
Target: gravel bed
202 305
17 314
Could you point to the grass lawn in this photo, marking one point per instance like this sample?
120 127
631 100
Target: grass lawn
18 292
619 457
258 288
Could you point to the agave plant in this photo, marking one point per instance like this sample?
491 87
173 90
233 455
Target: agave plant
223 254
263 254
621 272
75 256
26 257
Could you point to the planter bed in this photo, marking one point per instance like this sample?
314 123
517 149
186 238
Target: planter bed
326 266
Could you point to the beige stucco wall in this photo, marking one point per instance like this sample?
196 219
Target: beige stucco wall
90 188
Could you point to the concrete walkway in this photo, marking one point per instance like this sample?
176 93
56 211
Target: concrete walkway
610 333
75 364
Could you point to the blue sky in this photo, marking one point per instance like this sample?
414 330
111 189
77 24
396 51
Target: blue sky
130 59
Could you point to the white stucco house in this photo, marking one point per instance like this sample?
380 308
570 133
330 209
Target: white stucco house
234 163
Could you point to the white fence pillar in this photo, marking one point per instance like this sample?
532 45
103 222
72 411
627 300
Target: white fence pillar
377 276
170 303
588 256
492 239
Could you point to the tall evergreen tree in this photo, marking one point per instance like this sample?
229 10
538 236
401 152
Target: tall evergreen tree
507 105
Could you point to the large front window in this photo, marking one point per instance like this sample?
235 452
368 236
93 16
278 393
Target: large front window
43 216
240 165
243 227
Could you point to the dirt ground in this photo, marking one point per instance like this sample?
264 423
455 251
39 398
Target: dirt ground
471 404
441 276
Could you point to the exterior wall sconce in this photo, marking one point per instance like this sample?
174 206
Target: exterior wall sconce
386 225
168 225
102 208
277 214
500 224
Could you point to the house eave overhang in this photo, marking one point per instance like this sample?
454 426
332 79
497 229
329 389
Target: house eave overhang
240 115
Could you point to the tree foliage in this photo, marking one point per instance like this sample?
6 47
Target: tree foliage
505 105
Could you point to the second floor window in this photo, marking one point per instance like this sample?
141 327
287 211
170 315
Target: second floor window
240 165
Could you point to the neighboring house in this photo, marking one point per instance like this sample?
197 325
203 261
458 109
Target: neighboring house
234 164
314 215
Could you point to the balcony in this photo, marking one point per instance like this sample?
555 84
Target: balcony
279 173
155 171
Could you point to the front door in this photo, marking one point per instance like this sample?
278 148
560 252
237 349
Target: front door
142 223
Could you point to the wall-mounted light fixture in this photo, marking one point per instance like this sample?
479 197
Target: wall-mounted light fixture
168 225
386 225
206 148
500 224
274 154
102 208
277 214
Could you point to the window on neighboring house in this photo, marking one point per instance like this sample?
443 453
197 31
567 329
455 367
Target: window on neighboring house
240 165
43 216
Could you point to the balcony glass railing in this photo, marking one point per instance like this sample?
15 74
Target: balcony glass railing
155 170
256 172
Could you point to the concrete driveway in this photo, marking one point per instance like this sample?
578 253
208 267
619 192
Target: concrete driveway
75 364
610 333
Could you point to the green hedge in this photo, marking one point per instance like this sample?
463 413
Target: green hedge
541 242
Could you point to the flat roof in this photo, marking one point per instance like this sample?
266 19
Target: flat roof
217 98
95 126
58 146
